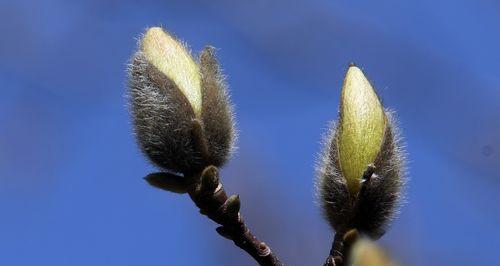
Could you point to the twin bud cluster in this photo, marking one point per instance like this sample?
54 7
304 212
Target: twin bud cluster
184 123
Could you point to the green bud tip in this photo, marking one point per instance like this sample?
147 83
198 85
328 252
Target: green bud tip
362 127
172 58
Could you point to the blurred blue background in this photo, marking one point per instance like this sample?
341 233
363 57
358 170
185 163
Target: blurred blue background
71 187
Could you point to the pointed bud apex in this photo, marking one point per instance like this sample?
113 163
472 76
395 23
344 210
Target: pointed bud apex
168 182
180 108
362 127
362 167
171 58
367 253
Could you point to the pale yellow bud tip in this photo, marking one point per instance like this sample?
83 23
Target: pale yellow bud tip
362 127
367 253
172 58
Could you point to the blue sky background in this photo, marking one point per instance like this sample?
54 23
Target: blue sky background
71 187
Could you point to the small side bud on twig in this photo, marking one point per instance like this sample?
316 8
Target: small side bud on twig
168 182
209 180
361 171
180 108
231 207
221 230
367 253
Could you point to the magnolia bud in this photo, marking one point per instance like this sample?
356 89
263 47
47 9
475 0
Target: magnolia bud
367 253
180 108
362 149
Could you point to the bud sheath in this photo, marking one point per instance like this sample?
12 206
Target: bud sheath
362 127
171 58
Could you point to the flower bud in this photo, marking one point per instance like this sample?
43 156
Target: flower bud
367 253
361 171
180 108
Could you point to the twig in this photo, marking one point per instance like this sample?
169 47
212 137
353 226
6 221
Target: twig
207 192
341 248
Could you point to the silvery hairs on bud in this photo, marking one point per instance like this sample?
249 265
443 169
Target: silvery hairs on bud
180 108
345 205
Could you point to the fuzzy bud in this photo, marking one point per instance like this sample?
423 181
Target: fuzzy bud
361 171
180 108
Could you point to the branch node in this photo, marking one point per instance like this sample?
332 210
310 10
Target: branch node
264 249
207 192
